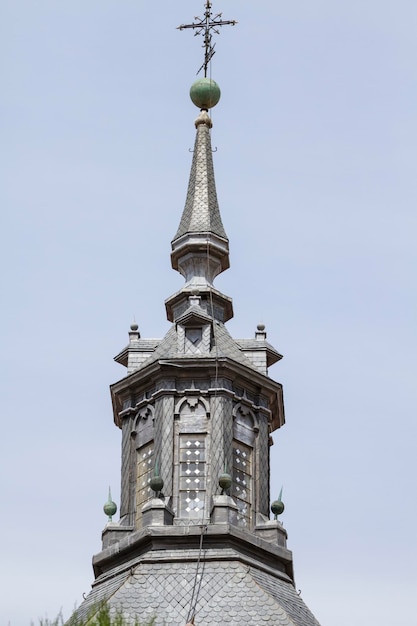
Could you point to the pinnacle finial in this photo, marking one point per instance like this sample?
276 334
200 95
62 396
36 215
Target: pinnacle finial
205 93
110 507
225 481
205 26
156 483
277 507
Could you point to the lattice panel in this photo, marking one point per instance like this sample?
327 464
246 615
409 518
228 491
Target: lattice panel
193 339
126 477
192 475
262 473
221 439
164 433
145 466
241 488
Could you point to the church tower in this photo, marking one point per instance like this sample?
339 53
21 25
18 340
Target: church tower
196 409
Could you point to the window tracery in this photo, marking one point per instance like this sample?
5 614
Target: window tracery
244 434
143 439
192 456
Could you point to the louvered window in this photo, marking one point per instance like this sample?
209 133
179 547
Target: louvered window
241 487
144 474
192 475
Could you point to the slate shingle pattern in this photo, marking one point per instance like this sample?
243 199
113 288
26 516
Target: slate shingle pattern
221 435
286 595
164 413
223 346
230 593
201 212
253 344
263 480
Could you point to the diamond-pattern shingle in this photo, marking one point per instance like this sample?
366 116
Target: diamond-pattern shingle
228 592
223 346
164 435
263 478
221 438
287 596
201 212
101 592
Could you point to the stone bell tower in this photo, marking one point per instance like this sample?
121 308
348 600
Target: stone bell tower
195 542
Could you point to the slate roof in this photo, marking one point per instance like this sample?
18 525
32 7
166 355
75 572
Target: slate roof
255 344
230 592
223 346
201 212
140 345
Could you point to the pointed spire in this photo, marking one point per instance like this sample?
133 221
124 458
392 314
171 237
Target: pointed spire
200 248
201 213
201 225
110 507
278 507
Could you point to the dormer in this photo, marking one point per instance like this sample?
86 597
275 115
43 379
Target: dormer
194 329
138 350
259 351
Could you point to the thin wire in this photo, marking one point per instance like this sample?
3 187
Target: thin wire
193 602
214 325
211 77
196 588
210 288
199 584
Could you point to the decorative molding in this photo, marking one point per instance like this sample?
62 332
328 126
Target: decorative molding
143 414
192 402
246 413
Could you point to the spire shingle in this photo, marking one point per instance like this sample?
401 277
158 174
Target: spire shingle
200 248
201 212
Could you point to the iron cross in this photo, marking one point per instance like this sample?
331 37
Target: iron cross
204 26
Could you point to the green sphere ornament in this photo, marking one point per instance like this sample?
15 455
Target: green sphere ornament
156 484
225 481
110 507
277 508
205 93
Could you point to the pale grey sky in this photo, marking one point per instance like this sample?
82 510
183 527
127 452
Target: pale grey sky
316 175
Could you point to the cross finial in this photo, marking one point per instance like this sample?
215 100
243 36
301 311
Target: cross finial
204 26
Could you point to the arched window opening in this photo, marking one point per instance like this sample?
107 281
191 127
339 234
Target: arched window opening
242 482
192 457
143 437
192 490
242 471
145 466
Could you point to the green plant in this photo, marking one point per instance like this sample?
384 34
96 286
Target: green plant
98 616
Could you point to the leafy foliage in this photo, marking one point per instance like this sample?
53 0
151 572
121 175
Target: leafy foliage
100 616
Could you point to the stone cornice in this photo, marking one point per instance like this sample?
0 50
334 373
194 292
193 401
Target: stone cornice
176 543
183 368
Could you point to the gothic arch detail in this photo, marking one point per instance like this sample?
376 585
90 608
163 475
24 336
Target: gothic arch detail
145 413
245 424
143 427
192 405
245 429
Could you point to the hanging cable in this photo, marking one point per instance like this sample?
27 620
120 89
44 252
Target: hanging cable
198 577
196 589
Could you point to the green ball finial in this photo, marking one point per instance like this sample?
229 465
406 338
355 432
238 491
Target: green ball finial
225 482
156 483
205 93
110 507
277 507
